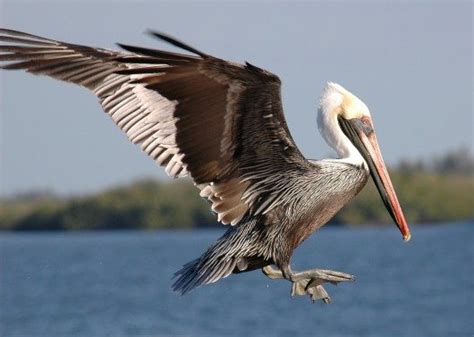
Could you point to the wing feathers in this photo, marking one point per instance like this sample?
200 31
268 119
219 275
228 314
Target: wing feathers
158 54
132 59
176 42
220 122
22 35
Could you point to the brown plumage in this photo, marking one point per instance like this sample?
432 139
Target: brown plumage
222 124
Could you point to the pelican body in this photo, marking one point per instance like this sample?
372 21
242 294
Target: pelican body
222 124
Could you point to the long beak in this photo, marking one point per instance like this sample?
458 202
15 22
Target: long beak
361 133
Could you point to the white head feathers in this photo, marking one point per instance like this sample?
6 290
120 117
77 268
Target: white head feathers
337 101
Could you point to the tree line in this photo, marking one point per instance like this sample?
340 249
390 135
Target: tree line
439 190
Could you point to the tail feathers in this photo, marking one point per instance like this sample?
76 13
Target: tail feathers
204 270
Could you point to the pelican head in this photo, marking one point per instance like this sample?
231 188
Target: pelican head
346 124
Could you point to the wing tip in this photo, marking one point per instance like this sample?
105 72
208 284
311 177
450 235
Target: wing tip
175 42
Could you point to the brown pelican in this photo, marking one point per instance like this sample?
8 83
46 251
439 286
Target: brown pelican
222 124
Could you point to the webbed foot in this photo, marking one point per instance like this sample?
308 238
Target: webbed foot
309 282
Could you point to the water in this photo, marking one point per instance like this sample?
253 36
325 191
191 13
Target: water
118 284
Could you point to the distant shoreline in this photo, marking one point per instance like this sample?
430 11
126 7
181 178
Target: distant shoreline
438 192
217 227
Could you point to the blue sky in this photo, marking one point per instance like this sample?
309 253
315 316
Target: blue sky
410 62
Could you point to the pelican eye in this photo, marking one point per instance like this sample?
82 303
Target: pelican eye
366 125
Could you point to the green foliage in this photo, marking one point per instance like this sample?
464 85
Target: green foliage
436 190
440 191
146 204
425 197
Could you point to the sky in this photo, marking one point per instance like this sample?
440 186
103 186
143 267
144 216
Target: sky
411 63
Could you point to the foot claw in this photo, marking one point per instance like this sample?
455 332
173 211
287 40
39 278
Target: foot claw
311 287
319 293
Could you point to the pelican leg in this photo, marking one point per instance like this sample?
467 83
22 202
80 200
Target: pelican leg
309 282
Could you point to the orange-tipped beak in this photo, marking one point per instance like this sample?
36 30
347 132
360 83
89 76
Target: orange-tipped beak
362 134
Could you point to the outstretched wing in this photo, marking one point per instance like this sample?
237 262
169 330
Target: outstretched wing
219 122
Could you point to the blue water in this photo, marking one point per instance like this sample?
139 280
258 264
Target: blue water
118 284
